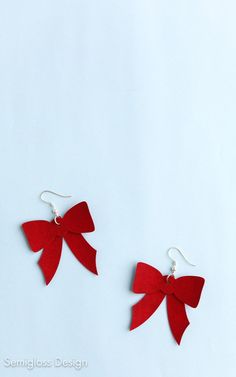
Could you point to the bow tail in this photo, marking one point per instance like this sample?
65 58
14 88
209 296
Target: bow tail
177 317
50 259
81 249
144 308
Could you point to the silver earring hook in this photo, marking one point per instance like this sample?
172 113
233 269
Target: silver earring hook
174 264
51 204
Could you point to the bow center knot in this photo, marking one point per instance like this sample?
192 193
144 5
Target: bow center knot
167 288
59 228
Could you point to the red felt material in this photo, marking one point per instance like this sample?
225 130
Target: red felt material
155 286
177 317
49 236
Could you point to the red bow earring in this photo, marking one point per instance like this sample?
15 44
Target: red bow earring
178 292
48 236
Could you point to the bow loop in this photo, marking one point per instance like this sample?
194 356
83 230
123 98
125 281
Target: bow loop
147 279
188 289
78 219
38 233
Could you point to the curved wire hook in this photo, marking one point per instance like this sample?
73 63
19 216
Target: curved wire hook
51 204
174 264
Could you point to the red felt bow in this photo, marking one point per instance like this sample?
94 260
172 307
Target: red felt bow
181 291
48 236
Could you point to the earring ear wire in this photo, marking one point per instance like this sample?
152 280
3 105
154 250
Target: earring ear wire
51 204
174 263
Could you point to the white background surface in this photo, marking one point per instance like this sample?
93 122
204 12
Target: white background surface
129 105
